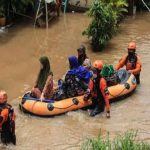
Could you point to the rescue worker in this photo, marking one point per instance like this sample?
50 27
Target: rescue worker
131 61
82 56
43 87
98 88
7 120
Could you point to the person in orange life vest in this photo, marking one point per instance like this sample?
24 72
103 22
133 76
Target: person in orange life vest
98 86
7 120
131 61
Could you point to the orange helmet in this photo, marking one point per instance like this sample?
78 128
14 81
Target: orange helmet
132 46
3 97
98 64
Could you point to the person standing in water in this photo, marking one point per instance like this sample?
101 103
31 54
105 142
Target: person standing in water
98 86
7 120
43 87
131 61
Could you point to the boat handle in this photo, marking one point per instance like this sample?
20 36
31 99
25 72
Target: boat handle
127 86
75 101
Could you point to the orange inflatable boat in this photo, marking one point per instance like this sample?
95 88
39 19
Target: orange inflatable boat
31 105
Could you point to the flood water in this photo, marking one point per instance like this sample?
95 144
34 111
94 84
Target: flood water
20 50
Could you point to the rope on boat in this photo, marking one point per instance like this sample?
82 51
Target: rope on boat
63 107
75 101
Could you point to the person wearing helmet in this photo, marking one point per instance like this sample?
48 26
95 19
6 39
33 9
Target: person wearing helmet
7 120
98 86
82 56
131 61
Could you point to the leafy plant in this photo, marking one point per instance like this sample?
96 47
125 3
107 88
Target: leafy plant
119 7
7 7
103 24
127 141
20 5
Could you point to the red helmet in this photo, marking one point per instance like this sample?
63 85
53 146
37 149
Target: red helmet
132 46
98 64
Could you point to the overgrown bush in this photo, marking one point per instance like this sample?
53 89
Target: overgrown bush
105 16
20 5
127 141
119 7
103 24
10 7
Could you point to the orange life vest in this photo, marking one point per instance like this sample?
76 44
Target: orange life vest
133 65
98 91
5 111
7 124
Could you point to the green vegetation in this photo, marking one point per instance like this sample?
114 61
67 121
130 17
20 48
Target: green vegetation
141 6
119 7
128 141
2 10
103 24
8 8
105 17
19 5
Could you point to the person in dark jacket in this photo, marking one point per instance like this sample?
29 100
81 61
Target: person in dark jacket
77 78
75 83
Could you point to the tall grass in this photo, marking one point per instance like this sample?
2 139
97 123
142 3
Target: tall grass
127 141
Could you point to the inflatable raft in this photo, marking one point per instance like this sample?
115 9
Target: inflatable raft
126 85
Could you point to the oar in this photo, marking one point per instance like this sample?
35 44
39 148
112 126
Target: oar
37 99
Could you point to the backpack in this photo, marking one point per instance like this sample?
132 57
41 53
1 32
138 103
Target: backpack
109 73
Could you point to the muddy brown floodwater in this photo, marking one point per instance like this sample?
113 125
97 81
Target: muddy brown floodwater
20 50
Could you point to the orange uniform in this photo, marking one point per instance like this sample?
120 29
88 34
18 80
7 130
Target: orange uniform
134 66
98 88
7 124
131 61
99 92
3 117
4 113
7 120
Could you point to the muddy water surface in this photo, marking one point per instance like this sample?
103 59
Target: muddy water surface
20 50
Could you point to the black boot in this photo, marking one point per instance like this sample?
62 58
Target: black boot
99 107
137 78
